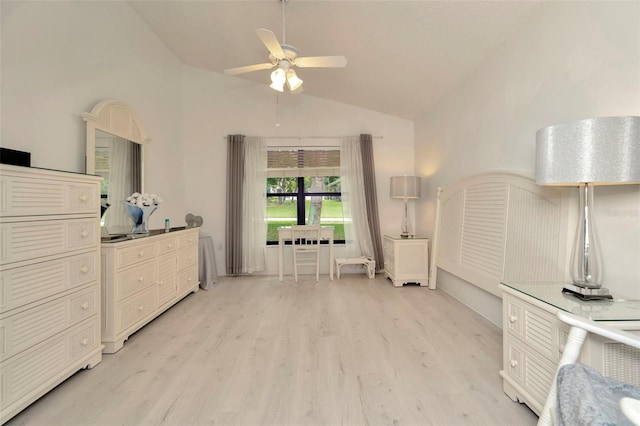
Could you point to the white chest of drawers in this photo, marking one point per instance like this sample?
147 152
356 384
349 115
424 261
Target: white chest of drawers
49 281
534 338
143 277
406 260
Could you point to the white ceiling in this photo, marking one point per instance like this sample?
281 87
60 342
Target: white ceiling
402 56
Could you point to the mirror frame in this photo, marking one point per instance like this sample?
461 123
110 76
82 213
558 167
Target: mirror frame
116 118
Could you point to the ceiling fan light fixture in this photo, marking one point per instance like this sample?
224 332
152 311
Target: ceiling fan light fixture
278 78
293 81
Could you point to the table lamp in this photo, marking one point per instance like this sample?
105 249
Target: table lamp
595 151
406 188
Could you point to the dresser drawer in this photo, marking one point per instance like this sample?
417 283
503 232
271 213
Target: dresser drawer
188 240
187 257
167 245
188 280
27 240
23 285
46 195
131 280
27 328
136 309
40 366
136 254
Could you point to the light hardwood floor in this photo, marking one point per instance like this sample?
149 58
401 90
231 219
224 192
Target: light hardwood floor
256 351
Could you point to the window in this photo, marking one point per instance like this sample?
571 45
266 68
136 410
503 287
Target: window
303 187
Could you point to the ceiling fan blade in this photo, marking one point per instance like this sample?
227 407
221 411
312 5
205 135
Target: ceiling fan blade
321 62
248 68
271 42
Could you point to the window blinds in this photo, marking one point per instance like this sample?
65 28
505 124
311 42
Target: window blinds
303 162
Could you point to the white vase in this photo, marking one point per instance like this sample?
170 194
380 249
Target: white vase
140 217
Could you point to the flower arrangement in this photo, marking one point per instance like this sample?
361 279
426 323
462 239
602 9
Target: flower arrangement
143 200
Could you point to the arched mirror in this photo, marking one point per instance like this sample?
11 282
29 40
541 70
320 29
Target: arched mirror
115 150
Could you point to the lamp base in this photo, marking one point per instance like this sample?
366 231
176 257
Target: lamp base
405 235
586 293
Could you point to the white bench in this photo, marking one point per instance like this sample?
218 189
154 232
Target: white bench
368 263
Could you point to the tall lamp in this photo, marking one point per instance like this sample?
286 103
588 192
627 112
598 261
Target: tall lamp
406 188
595 151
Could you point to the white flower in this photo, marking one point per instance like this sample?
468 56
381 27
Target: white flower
144 199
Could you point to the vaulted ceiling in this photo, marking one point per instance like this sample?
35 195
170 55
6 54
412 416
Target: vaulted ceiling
402 56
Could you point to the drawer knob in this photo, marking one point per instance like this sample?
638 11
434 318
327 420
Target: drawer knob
84 269
140 308
514 363
161 283
169 245
141 253
513 318
84 234
84 306
189 279
83 198
84 342
141 278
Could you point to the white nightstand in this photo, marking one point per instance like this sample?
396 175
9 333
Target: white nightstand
406 260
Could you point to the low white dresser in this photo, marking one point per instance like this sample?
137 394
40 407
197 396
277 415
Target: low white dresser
534 338
143 277
49 281
406 260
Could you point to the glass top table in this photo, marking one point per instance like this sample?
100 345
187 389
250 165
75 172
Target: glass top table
618 309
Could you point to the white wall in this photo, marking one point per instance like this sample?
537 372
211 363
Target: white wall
60 58
578 60
217 105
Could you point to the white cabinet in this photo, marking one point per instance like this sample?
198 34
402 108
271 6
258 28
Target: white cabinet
143 277
406 260
534 338
49 281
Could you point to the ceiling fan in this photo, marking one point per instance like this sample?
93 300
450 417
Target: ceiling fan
285 57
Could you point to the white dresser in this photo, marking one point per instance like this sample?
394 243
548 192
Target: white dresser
534 338
406 260
143 277
49 281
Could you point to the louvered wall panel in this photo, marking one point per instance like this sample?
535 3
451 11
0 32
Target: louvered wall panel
533 233
483 232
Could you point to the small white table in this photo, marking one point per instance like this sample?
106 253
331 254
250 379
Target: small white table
284 234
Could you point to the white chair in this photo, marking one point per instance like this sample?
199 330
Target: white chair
579 328
305 245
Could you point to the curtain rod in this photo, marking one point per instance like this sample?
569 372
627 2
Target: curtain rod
306 137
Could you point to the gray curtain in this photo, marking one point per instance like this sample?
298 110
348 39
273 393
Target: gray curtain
371 197
233 232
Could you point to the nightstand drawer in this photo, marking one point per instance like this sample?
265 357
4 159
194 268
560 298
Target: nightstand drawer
537 328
